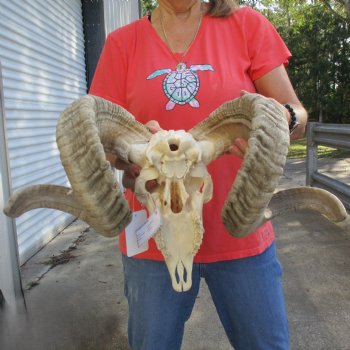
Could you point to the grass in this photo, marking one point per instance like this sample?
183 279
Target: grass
297 149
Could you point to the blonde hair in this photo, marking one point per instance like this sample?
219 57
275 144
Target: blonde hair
221 8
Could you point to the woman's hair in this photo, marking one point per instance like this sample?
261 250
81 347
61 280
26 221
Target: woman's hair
221 8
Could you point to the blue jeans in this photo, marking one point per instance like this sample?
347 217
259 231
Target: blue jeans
247 294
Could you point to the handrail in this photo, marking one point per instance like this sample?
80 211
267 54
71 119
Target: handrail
332 135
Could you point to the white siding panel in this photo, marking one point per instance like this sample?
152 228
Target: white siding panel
43 67
118 13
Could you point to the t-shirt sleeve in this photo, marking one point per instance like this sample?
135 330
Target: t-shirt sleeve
265 46
110 75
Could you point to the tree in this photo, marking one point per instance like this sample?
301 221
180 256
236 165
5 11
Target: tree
317 33
340 8
147 6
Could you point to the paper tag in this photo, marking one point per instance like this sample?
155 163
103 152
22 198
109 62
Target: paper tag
139 218
149 228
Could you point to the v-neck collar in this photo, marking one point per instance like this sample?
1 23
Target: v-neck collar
163 44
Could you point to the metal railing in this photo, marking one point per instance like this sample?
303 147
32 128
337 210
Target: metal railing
331 135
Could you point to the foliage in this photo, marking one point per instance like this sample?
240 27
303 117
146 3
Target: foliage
318 35
147 6
297 149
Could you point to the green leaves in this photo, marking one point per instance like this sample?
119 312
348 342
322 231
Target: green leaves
147 6
318 35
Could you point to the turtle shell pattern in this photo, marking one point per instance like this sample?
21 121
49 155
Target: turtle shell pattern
181 86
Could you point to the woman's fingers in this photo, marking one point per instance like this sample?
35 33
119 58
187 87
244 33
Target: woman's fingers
239 148
287 114
153 126
131 172
129 182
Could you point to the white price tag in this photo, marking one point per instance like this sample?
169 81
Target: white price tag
149 228
139 218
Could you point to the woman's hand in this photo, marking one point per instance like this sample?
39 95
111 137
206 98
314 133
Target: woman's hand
153 126
286 113
132 171
239 148
240 145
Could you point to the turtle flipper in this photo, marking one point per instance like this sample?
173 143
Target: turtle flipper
158 72
170 105
195 67
194 103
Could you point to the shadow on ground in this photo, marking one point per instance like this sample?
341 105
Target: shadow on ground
75 301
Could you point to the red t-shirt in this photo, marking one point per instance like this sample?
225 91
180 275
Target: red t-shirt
227 55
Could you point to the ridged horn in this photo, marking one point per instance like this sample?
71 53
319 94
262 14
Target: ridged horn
301 198
262 122
85 130
43 196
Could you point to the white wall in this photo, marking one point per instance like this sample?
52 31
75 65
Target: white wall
10 282
43 67
118 13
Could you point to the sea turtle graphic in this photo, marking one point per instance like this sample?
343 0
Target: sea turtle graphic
181 85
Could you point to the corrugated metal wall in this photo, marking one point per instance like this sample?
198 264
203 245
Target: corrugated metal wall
118 13
43 66
10 278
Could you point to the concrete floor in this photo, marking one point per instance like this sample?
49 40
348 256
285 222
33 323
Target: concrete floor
74 288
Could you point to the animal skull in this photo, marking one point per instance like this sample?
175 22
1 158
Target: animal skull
174 159
92 126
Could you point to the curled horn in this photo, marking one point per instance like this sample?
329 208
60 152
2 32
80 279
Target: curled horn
87 129
91 126
260 121
312 198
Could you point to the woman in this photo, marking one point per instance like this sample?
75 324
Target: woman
232 50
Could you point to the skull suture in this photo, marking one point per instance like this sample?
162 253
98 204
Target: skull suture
174 159
91 126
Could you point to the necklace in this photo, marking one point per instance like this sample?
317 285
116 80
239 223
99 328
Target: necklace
179 61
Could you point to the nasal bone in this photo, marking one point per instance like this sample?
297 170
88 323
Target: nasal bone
181 278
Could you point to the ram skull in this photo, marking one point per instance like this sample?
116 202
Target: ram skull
178 161
174 160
